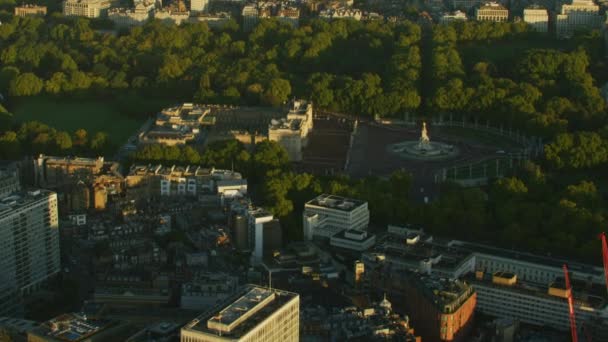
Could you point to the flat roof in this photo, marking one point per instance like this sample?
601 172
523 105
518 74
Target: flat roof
589 295
19 199
72 327
242 312
528 257
336 202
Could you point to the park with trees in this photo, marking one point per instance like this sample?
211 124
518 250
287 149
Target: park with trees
543 87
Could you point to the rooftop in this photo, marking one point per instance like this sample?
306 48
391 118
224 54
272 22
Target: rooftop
19 199
335 202
353 235
287 124
72 327
574 267
442 291
585 294
244 311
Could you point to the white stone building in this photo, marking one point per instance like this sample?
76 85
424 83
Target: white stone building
492 11
139 15
86 8
334 214
537 17
292 131
580 15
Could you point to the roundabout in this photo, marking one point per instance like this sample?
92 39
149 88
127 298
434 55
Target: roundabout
423 148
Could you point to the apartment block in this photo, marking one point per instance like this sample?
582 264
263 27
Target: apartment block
580 15
29 243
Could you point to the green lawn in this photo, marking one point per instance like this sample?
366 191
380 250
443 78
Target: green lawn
506 51
94 116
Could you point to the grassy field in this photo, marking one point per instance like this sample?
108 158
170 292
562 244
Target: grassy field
94 116
506 51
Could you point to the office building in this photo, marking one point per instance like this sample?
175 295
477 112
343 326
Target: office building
29 244
254 314
441 309
292 131
503 294
411 249
86 8
327 215
353 240
30 10
199 6
492 11
537 17
78 328
258 220
580 15
250 17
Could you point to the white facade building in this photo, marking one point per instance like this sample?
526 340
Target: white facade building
492 11
259 314
139 15
580 15
86 8
292 131
29 242
335 214
257 218
537 17
540 305
199 5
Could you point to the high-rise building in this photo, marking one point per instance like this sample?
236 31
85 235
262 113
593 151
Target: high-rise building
492 11
258 218
537 17
580 15
327 215
250 17
199 5
86 8
29 242
254 314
